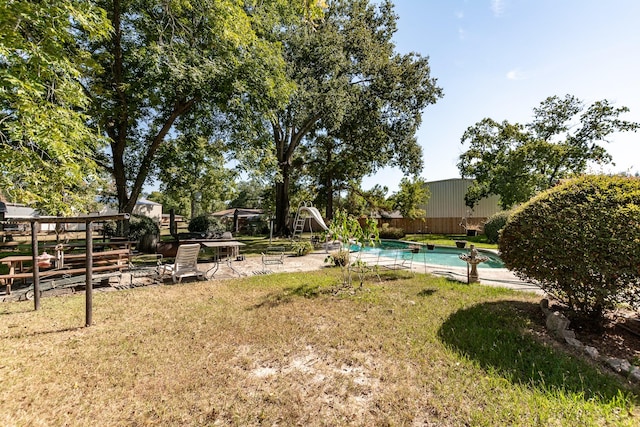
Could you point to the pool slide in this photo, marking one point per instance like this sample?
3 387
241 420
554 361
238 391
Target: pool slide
315 214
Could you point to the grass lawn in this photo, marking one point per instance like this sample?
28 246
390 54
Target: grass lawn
479 241
285 349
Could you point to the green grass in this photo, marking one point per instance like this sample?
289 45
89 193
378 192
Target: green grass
287 349
450 240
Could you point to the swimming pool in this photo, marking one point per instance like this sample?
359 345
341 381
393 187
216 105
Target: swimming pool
440 255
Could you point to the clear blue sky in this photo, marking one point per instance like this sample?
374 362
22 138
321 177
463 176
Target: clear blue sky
501 58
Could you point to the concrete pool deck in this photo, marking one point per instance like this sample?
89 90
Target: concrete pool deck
499 277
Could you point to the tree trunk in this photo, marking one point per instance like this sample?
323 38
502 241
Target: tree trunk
282 201
329 187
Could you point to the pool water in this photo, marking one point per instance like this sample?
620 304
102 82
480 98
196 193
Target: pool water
447 256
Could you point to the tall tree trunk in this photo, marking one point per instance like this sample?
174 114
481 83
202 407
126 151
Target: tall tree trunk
329 187
282 201
287 140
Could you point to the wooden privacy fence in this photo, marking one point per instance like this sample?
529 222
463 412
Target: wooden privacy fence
432 225
419 226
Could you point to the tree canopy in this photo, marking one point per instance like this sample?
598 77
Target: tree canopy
168 62
192 170
516 161
357 102
45 146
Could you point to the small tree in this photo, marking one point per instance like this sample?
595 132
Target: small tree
410 196
580 241
346 229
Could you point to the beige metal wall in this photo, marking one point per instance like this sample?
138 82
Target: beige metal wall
447 200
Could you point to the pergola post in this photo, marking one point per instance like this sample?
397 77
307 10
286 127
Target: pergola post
88 220
89 274
36 267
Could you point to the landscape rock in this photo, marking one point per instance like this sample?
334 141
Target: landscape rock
573 342
618 365
592 352
634 374
557 322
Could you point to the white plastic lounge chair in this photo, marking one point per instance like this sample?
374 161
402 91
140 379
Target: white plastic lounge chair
185 264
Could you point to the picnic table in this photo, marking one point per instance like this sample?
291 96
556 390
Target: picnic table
14 262
223 249
70 246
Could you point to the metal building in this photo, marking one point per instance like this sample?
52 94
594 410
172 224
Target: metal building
446 209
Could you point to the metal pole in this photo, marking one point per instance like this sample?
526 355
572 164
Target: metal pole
468 279
270 229
89 272
36 268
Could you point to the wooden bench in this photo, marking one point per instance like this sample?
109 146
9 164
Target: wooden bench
11 245
115 257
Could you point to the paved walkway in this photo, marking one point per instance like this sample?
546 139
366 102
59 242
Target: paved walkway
252 265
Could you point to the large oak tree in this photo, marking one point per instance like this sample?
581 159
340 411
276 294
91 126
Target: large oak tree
169 61
353 88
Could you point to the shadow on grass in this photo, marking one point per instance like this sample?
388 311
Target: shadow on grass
48 332
286 295
426 292
20 311
492 334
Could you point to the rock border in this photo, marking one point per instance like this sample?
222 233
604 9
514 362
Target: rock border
558 324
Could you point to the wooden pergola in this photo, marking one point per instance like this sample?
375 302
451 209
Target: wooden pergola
88 220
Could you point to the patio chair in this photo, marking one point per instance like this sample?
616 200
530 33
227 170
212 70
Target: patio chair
185 264
366 263
274 255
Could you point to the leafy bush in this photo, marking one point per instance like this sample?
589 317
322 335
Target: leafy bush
140 225
338 258
387 232
494 224
580 241
205 224
110 228
301 248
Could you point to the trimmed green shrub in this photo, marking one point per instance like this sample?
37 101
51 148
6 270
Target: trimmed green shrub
110 228
205 224
140 225
387 232
580 241
301 248
494 224
145 232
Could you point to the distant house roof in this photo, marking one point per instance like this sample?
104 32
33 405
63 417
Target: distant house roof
17 210
146 202
242 213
